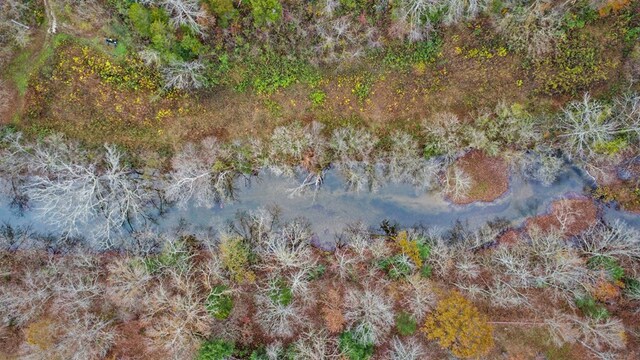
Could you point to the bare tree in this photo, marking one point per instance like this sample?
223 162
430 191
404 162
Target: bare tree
358 239
503 294
543 166
586 124
566 214
457 183
354 144
316 345
274 350
345 264
534 29
256 226
12 31
557 265
25 301
294 146
547 261
369 314
76 288
127 284
514 262
181 12
466 265
417 10
476 138
183 75
298 150
420 296
627 113
85 337
353 152
4 97
12 170
561 329
330 6
459 10
341 39
405 163
599 336
177 312
406 349
312 181
196 180
150 57
442 256
614 240
277 318
72 192
300 285
444 132
287 248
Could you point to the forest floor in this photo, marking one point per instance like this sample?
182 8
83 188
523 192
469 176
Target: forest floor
471 73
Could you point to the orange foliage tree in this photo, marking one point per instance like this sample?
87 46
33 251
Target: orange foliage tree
458 326
332 313
612 5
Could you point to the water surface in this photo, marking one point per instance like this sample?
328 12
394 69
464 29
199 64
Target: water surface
332 207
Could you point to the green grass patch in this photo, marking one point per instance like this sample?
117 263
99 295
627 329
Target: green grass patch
23 67
316 272
632 288
396 267
608 264
353 349
578 62
172 256
405 55
271 72
362 87
318 97
20 71
219 302
216 349
406 324
591 308
281 293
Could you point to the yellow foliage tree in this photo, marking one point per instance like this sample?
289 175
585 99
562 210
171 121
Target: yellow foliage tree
409 248
235 258
41 334
458 326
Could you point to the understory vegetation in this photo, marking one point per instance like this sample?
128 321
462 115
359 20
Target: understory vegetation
254 291
290 57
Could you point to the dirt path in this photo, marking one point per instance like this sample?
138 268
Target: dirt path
8 102
51 16
13 101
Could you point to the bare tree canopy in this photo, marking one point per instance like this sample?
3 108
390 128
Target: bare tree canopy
71 189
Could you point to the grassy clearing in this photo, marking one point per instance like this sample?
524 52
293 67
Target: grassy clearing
465 69
29 62
87 93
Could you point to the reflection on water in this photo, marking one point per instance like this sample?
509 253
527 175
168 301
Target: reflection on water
333 207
